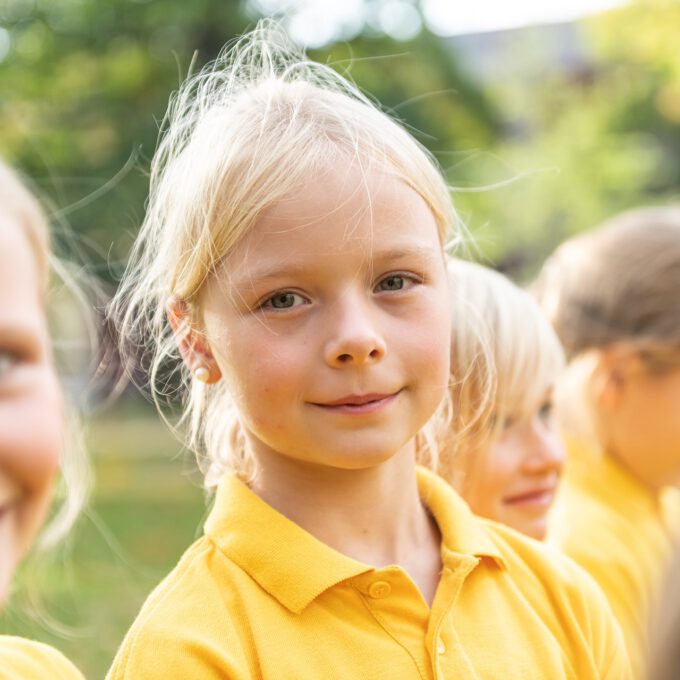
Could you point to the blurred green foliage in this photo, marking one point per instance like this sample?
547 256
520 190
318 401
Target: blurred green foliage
84 84
596 139
537 153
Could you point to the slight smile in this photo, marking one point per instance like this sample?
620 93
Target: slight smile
6 508
359 404
536 498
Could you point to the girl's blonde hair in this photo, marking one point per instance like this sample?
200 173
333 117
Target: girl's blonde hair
21 207
616 285
504 358
247 130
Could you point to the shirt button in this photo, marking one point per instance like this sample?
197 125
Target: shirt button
379 589
441 647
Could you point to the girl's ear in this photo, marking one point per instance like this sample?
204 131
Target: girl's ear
191 343
616 367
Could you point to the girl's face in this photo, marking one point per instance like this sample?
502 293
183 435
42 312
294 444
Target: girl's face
640 418
515 479
30 402
329 321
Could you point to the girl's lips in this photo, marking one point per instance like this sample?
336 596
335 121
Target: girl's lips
540 498
5 508
359 404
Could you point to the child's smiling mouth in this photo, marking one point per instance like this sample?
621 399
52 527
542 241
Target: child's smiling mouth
359 404
8 510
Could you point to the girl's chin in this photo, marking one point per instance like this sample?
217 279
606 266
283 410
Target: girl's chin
9 551
536 530
7 564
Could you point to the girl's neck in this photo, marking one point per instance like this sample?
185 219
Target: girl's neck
372 515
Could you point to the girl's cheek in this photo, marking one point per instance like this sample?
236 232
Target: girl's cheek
31 435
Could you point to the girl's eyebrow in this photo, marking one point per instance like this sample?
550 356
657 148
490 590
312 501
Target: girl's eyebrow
264 274
18 331
14 336
403 252
282 269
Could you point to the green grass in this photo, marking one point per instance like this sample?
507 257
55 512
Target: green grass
148 506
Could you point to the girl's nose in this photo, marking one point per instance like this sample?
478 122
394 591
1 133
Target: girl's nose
354 338
545 452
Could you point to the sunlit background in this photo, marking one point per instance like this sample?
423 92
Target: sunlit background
315 24
546 117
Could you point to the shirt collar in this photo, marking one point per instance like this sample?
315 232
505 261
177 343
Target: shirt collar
592 469
463 534
295 567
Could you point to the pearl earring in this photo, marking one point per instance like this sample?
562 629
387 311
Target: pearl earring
202 374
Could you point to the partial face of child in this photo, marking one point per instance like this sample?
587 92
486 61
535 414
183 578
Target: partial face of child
30 402
639 419
329 321
514 480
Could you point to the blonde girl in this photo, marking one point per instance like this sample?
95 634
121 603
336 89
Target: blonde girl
613 296
31 415
503 453
293 253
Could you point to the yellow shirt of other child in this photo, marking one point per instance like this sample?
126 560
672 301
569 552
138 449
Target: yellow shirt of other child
259 597
22 659
621 533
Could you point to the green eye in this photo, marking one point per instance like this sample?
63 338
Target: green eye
508 422
392 283
282 300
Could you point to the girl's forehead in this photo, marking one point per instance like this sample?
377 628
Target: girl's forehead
347 186
326 253
337 211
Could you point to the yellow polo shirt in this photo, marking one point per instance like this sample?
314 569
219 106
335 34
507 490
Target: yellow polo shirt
259 597
620 532
22 659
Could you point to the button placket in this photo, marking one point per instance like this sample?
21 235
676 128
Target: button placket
450 655
397 606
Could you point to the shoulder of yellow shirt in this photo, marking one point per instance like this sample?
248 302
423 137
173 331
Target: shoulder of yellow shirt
546 566
22 659
546 577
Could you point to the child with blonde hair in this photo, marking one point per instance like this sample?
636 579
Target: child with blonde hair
32 427
613 296
295 240
503 452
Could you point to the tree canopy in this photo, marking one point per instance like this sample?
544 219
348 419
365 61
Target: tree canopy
535 153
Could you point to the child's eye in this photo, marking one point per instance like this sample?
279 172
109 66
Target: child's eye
499 422
392 283
545 412
508 423
283 300
7 361
395 282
